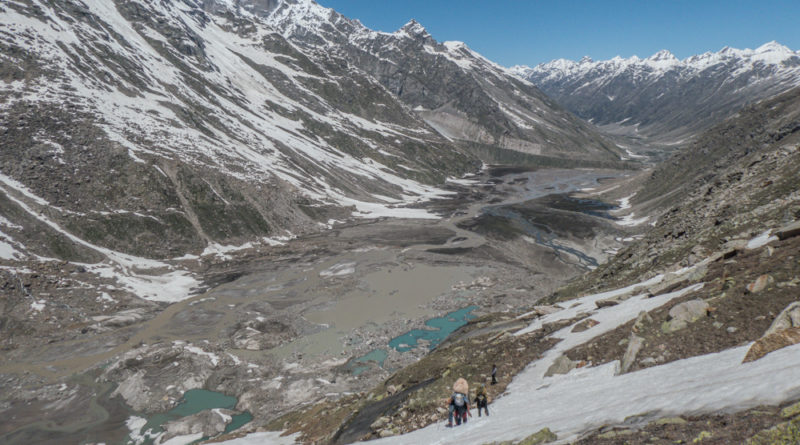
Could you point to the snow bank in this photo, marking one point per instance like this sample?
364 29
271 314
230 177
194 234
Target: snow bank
183 440
269 437
588 398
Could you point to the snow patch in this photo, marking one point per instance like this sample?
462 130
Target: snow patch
628 220
761 240
269 437
7 251
183 440
221 251
589 397
214 358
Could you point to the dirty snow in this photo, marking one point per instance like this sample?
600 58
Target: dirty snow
587 398
183 440
214 358
269 437
761 240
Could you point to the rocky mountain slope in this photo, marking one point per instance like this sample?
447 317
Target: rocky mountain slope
662 98
161 129
463 95
708 292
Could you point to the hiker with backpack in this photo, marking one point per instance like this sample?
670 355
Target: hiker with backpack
482 399
459 403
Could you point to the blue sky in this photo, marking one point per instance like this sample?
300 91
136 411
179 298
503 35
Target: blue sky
528 32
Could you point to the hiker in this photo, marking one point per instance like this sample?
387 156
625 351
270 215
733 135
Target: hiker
459 403
482 399
494 374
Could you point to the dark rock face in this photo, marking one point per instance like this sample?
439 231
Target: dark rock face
662 98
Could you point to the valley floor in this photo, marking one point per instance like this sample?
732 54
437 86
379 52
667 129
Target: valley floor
284 326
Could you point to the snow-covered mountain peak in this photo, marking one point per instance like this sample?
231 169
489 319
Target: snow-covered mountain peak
773 53
413 29
768 54
663 55
773 46
642 89
662 60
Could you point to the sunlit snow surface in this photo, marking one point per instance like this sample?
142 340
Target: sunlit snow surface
771 54
587 398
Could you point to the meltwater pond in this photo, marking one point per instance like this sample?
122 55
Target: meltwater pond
375 357
194 401
441 327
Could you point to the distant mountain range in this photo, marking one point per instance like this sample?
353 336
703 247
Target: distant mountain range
662 98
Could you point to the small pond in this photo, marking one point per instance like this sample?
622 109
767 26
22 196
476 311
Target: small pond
366 361
193 402
441 328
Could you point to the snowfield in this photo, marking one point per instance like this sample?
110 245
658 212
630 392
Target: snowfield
590 397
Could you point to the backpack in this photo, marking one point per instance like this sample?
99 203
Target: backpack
459 399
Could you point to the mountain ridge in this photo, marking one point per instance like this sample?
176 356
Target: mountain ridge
459 92
663 99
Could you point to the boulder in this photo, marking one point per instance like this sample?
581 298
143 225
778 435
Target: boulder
737 244
791 411
643 318
386 433
703 436
546 310
788 231
772 342
788 318
542 436
561 365
210 422
760 284
671 421
584 325
380 423
634 346
607 302
615 434
684 313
